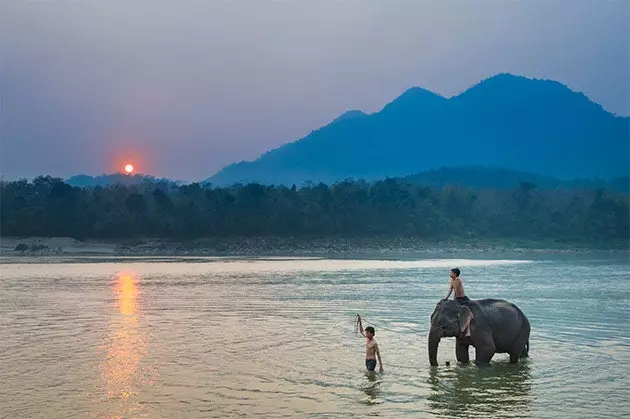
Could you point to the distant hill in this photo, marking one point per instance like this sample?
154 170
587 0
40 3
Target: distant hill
350 115
85 181
521 124
492 178
469 177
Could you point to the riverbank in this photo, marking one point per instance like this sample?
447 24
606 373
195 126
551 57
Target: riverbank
278 246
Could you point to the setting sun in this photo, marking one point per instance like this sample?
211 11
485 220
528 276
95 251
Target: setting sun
129 168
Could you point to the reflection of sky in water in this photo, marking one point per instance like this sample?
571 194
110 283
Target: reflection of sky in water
126 346
334 265
262 338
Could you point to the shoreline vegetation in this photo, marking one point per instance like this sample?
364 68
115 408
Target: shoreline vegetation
285 246
49 217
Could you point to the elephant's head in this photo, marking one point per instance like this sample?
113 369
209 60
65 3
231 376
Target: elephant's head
447 320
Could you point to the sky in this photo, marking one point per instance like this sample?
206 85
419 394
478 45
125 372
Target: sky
183 88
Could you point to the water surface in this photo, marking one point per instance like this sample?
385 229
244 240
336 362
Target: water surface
224 337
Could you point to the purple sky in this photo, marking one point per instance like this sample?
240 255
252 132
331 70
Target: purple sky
182 88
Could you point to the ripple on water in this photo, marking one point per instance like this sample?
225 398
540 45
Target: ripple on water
221 338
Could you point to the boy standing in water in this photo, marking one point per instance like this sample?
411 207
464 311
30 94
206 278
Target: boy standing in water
371 348
460 296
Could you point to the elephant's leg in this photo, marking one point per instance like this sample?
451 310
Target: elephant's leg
513 358
484 350
461 352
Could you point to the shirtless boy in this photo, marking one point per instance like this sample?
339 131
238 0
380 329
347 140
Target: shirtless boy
460 295
371 348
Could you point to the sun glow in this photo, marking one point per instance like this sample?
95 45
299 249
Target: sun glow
125 348
127 291
129 168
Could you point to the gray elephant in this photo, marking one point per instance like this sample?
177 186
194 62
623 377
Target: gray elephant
497 327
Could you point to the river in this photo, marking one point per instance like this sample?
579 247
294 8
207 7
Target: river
253 337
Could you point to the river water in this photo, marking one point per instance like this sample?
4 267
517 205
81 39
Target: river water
230 337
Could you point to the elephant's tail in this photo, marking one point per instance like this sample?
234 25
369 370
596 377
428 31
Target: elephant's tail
525 351
522 340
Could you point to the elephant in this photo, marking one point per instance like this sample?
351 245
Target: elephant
497 326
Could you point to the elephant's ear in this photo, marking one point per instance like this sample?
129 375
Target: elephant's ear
463 315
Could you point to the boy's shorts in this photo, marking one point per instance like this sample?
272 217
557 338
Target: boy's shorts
370 364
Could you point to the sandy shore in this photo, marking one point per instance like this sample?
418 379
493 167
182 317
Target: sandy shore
54 246
278 246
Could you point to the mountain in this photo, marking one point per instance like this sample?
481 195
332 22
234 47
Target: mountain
85 181
513 122
349 115
497 178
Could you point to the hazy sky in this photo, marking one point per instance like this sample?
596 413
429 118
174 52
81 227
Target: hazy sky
183 88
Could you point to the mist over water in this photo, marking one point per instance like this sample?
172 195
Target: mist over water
223 337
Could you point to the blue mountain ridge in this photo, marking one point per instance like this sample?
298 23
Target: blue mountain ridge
509 122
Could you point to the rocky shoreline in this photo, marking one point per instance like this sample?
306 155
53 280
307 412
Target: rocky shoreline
279 246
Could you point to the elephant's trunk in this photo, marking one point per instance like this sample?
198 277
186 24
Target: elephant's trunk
434 340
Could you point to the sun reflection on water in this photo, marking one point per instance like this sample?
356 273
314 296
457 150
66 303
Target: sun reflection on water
127 293
125 348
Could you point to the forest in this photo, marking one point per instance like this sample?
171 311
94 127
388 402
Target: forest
48 206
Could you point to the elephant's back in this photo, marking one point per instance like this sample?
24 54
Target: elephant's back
493 301
500 310
500 306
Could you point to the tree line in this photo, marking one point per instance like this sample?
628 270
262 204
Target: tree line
48 206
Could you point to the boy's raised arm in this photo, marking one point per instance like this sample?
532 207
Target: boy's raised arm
360 325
